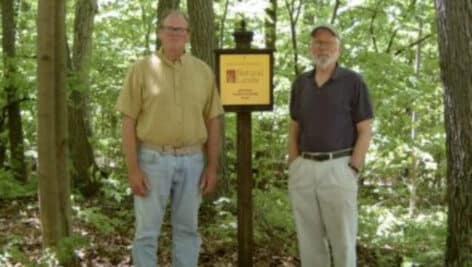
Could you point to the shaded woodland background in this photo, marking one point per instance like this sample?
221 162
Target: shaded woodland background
63 66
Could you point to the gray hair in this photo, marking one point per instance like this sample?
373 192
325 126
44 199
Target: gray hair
173 12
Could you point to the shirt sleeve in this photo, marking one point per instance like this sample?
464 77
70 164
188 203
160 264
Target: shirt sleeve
130 99
213 107
294 102
362 106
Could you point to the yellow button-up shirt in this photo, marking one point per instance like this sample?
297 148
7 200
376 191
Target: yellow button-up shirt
170 101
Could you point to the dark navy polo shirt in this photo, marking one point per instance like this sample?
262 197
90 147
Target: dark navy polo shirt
328 115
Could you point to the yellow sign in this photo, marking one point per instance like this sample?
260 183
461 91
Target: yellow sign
245 79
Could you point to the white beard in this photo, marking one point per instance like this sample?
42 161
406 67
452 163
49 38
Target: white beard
324 61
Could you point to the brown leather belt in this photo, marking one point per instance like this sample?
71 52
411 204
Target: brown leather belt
173 150
322 156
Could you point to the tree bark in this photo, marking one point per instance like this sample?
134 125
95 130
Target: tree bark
84 168
2 142
15 127
202 24
455 47
203 41
54 182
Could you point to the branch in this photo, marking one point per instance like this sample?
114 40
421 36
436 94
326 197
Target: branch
371 30
8 105
335 11
390 42
399 51
289 8
297 14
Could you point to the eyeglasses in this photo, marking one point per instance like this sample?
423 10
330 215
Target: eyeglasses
180 30
318 43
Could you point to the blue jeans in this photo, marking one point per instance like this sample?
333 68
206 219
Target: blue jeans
176 177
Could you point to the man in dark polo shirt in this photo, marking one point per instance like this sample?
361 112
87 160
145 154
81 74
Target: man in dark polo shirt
330 132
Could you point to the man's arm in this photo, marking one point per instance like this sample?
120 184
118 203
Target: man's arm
293 133
136 178
364 134
209 178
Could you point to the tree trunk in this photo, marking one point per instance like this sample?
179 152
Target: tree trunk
147 16
334 15
294 8
455 47
54 182
270 24
202 21
414 153
15 128
163 6
2 141
203 40
84 168
221 26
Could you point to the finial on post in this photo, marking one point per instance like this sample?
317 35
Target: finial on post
242 37
243 25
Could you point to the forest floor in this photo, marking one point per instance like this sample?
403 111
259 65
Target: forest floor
20 240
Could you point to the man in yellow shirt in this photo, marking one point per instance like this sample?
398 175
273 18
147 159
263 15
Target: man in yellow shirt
170 110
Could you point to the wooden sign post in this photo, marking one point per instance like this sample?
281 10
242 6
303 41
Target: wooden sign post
245 82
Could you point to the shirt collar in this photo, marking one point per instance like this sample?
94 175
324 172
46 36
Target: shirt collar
336 73
180 60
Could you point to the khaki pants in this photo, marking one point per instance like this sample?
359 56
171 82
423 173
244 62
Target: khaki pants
323 195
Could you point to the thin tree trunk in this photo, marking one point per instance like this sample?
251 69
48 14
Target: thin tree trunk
270 24
15 128
2 142
334 15
222 25
294 14
54 182
455 47
84 168
148 27
414 153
